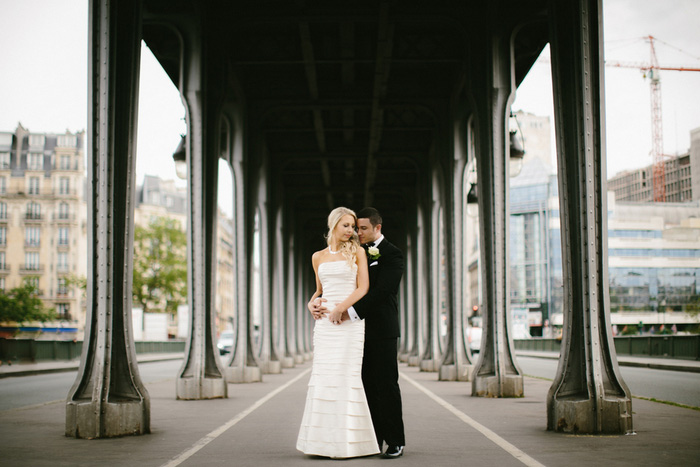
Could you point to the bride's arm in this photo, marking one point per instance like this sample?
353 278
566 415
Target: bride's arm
358 293
319 288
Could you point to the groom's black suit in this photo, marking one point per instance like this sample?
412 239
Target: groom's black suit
380 372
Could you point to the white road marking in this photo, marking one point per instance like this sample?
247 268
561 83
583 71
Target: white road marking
222 429
502 443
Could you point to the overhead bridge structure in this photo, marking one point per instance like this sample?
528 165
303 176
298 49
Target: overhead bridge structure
321 103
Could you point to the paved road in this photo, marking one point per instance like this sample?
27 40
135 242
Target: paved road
673 386
40 389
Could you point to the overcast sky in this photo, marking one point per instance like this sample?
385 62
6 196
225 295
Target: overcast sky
43 83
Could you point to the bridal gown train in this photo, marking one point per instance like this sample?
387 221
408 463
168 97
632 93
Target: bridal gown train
336 421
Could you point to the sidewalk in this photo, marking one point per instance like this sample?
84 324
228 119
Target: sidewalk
258 423
26 369
56 366
674 364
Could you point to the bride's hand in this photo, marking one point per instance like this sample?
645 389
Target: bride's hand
336 316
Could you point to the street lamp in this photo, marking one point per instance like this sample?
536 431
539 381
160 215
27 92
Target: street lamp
180 159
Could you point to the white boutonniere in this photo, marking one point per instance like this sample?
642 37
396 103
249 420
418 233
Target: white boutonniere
373 253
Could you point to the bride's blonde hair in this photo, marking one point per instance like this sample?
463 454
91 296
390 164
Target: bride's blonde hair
349 248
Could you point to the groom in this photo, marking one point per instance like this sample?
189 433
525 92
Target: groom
380 310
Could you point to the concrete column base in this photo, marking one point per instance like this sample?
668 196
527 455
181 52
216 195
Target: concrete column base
403 357
119 419
299 359
287 362
272 367
413 361
487 386
245 374
579 416
429 365
308 356
201 388
456 373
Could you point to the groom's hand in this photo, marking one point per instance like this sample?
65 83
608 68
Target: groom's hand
317 308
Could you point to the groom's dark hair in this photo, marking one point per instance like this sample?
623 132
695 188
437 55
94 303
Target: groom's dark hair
370 213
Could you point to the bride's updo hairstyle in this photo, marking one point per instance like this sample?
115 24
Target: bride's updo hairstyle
349 248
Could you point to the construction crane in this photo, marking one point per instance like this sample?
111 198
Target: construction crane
652 71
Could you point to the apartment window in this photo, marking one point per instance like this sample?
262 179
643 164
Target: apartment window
3 185
2 261
64 185
63 310
36 141
4 160
32 236
63 235
33 281
33 186
31 261
65 163
3 210
3 235
62 261
62 288
66 141
33 210
35 161
63 211
2 284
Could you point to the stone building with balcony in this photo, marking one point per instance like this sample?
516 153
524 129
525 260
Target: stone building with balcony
43 216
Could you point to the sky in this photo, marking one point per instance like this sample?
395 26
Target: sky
43 83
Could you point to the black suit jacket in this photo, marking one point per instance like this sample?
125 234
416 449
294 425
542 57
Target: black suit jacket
380 307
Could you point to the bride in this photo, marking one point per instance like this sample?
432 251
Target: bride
336 421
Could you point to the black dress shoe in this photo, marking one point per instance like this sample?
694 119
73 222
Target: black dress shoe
392 452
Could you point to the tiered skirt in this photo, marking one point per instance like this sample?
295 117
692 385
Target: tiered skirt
336 421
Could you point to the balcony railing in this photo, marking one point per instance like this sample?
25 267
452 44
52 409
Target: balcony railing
4 268
31 269
31 216
66 192
32 243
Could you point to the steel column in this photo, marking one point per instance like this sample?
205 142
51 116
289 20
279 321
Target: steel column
201 376
496 374
108 398
588 395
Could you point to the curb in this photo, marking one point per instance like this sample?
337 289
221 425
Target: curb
73 365
650 365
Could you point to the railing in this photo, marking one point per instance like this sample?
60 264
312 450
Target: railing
664 346
36 350
32 269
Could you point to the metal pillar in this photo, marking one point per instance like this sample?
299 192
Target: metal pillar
422 303
279 300
588 395
459 366
201 376
496 374
108 398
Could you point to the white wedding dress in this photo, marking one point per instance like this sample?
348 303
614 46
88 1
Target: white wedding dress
336 421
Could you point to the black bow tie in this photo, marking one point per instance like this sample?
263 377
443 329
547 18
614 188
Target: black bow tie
367 245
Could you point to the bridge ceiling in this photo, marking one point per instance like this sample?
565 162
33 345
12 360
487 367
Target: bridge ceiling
348 100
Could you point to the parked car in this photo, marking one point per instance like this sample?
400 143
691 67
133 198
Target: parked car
225 343
474 338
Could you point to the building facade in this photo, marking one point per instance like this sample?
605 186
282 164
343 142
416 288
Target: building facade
682 177
164 198
43 217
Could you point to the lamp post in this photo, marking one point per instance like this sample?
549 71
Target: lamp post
180 159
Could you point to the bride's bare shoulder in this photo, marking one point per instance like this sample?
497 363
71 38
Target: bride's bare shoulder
318 256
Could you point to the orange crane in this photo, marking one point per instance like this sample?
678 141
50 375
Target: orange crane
652 70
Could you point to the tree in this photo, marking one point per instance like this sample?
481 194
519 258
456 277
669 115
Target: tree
22 304
160 265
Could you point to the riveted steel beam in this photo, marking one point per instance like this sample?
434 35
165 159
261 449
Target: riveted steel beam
108 398
588 394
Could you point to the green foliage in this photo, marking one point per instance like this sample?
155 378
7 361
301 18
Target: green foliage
629 330
22 304
160 265
693 306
